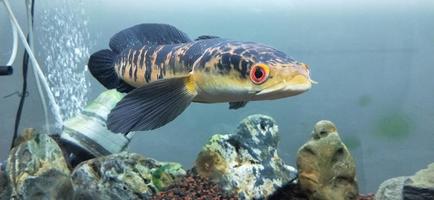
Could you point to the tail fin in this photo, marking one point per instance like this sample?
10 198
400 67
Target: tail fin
102 68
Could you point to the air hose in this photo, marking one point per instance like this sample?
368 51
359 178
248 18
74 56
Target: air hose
7 69
40 78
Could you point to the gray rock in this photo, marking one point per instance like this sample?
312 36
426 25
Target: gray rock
5 188
391 189
326 167
421 185
246 162
123 176
37 169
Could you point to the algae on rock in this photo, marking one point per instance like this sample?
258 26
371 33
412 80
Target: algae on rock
246 162
123 176
37 169
5 188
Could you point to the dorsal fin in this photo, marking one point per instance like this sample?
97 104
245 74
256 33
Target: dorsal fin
147 34
206 37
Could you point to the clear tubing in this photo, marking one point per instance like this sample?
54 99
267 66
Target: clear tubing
15 45
38 82
36 66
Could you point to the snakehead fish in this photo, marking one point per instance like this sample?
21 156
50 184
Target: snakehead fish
163 71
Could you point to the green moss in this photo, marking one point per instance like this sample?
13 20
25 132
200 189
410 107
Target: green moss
166 175
394 126
364 100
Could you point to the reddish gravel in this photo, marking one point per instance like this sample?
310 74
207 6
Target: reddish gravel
193 187
369 196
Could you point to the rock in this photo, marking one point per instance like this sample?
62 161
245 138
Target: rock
246 162
123 176
417 187
326 168
391 189
26 135
421 185
37 169
5 188
289 191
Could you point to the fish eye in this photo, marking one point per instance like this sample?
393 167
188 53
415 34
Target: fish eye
259 73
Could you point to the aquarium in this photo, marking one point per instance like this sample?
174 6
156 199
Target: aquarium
370 67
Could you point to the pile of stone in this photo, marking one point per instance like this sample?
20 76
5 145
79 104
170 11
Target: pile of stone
240 165
37 169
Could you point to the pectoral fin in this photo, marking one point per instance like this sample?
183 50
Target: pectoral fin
152 106
236 105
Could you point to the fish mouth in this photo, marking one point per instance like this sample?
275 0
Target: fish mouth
296 85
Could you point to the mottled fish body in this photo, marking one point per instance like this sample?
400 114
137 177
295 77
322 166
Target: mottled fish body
142 65
164 71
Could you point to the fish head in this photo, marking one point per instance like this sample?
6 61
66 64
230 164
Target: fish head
272 74
248 71
279 80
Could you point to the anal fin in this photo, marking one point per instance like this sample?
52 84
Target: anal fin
236 105
152 106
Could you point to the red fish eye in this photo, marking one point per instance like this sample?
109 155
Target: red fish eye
259 73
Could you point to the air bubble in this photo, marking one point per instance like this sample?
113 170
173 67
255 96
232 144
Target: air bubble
65 41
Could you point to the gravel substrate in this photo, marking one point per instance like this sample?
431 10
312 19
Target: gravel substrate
193 187
369 196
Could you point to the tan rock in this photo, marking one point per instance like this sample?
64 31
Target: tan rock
326 168
37 169
25 136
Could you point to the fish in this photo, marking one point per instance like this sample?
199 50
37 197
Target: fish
163 71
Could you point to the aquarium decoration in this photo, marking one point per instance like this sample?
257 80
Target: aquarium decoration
240 165
246 162
36 168
123 175
87 135
326 167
